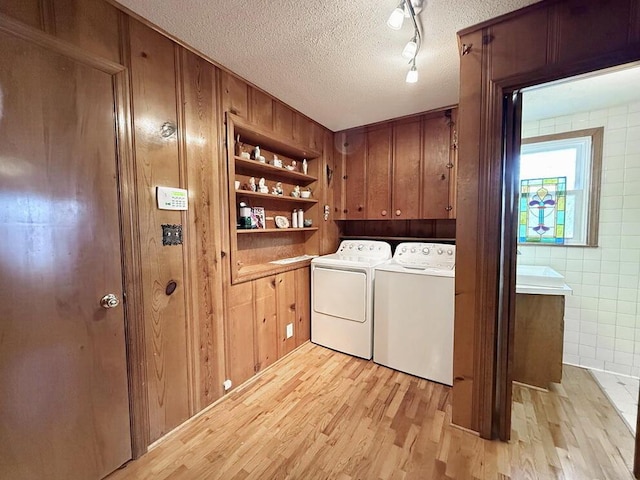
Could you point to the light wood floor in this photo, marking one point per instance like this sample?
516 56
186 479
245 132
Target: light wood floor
319 414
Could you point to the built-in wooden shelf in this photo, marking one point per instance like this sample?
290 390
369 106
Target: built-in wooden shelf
277 198
251 251
276 230
252 166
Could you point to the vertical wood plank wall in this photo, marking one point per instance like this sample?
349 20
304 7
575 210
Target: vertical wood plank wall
538 44
196 337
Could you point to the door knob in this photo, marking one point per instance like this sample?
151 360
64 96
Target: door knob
109 301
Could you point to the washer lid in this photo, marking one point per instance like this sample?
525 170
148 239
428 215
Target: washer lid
336 259
394 266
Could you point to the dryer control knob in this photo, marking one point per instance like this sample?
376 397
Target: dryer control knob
404 249
425 251
449 252
360 247
370 247
440 251
413 250
350 246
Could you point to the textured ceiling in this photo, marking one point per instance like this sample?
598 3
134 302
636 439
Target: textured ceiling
336 61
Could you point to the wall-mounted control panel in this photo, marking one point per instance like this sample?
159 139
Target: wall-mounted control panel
170 198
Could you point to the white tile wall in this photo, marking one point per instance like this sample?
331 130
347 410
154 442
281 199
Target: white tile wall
602 317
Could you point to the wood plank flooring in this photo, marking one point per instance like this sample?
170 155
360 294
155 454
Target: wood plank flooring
318 414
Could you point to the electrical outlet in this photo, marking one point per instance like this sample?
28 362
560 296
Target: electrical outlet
227 384
289 330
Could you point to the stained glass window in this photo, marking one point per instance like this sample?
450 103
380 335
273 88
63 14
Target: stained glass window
542 210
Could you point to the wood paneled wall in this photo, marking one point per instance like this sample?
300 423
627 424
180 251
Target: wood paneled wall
547 41
185 349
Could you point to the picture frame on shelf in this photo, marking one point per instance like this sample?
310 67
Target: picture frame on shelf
258 219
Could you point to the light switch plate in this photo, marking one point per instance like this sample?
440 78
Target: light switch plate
289 330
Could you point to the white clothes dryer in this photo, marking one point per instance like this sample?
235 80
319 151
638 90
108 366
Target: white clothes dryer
342 296
414 311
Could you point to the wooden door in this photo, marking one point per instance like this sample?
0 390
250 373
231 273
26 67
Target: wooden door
435 178
379 173
266 318
355 151
286 293
240 360
303 305
406 170
63 377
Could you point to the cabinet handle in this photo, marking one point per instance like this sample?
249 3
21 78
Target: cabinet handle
345 211
398 213
383 213
449 208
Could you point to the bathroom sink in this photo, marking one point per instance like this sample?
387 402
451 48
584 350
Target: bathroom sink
538 275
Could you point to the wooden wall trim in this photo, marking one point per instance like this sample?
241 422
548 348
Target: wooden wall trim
47 16
30 34
506 17
435 113
135 328
187 258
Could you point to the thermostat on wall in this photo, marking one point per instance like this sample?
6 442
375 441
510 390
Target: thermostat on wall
170 198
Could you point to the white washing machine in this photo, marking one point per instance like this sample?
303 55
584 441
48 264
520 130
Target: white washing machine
414 306
342 296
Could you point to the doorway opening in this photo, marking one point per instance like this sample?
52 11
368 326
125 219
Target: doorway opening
578 235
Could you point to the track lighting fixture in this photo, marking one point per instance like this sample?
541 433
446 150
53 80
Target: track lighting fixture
410 49
408 8
397 17
412 74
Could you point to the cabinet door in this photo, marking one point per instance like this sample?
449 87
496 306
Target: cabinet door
355 151
303 305
435 187
266 319
286 293
406 170
240 354
378 189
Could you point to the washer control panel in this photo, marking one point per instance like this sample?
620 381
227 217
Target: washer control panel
426 255
365 248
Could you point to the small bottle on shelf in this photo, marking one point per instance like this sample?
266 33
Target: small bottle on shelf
294 219
300 218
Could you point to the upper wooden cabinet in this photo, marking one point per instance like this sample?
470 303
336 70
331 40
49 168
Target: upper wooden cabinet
354 150
407 169
378 174
402 169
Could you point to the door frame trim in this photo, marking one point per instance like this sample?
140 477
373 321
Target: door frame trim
127 209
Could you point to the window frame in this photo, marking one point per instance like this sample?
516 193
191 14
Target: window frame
593 207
